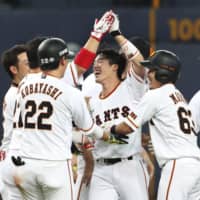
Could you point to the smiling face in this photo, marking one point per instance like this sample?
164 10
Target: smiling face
103 70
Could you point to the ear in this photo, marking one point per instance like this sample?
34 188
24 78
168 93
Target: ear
63 61
13 69
115 67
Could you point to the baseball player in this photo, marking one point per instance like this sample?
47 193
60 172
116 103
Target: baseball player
16 64
118 168
132 87
171 127
46 108
71 74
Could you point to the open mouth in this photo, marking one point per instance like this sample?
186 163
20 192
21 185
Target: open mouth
97 73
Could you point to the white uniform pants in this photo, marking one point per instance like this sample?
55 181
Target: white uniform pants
45 180
124 180
11 192
180 180
81 190
3 189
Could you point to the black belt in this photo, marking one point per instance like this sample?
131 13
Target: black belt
110 161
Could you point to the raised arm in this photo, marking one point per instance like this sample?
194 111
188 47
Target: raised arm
86 55
133 53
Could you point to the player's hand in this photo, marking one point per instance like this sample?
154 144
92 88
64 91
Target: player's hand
115 26
117 139
102 26
2 155
17 161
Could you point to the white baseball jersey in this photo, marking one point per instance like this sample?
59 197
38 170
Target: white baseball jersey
8 112
90 87
171 126
195 108
113 109
48 107
115 181
71 75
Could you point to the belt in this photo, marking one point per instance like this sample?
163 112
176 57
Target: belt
111 161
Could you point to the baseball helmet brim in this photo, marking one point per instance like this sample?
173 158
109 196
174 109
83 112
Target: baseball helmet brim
147 63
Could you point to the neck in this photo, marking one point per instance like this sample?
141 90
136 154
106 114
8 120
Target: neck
15 81
35 70
54 73
14 84
108 87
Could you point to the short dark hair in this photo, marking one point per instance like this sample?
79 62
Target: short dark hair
9 57
114 57
141 44
32 47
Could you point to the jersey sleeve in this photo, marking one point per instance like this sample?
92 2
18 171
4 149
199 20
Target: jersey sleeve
143 112
80 113
71 75
137 86
194 105
8 111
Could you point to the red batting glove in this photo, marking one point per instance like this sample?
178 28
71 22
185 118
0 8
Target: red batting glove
102 26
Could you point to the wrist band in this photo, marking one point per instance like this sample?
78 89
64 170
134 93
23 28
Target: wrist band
115 33
97 36
129 49
113 130
84 58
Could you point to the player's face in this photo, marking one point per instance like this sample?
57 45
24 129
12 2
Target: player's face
153 83
22 66
103 71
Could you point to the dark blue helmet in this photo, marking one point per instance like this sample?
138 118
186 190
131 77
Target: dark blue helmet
166 64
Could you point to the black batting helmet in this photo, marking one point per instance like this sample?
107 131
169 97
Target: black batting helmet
50 51
166 64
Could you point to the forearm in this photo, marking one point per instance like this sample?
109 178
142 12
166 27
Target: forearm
121 128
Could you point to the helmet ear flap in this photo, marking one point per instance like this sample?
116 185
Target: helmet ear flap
162 75
166 76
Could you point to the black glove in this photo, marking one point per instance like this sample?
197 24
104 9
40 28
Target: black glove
17 161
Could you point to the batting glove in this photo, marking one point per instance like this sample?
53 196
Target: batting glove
102 26
117 139
114 29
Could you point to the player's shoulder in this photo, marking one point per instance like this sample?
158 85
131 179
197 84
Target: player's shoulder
158 93
196 95
12 91
195 100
